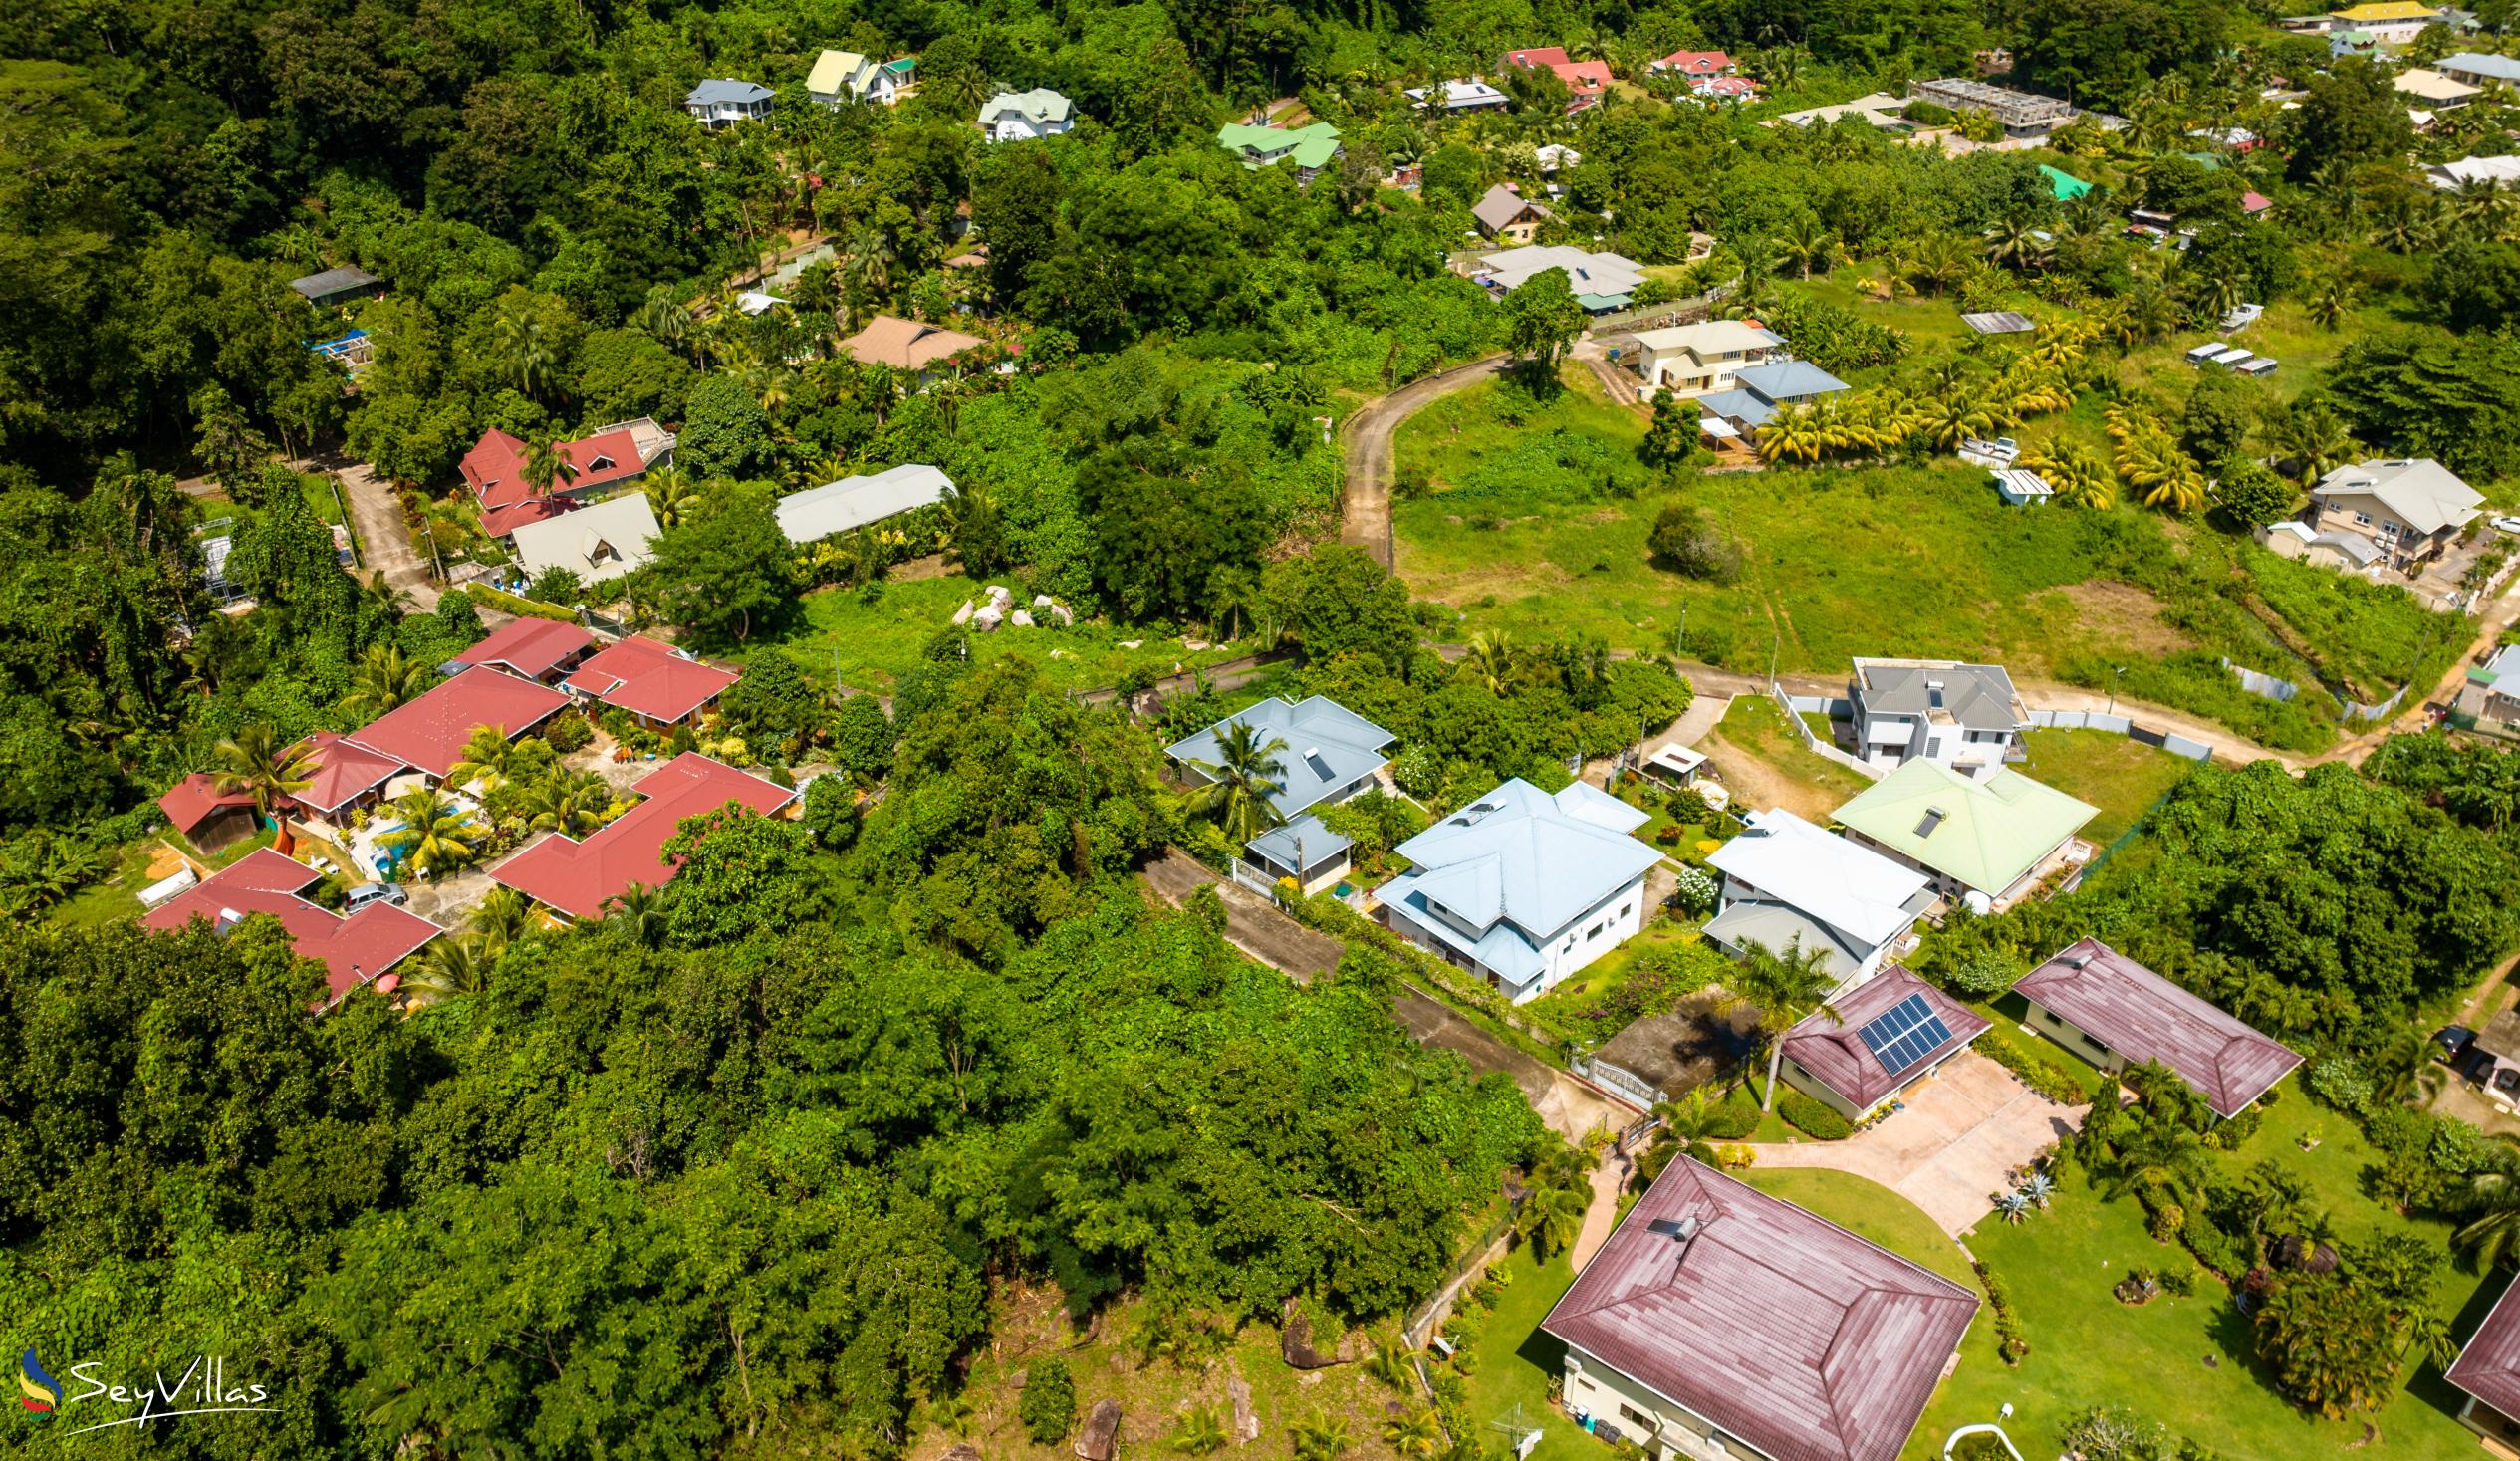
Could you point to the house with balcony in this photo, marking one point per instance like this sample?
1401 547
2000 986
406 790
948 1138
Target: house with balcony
1695 360
2413 509
1964 716
595 466
1986 841
1016 116
1759 392
1787 882
839 78
722 102
1504 213
1522 887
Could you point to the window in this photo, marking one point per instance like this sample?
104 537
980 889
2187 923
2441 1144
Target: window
1625 909
1635 1418
2361 520
1593 932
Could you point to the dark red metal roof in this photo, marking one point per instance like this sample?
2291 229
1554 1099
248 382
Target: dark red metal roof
1835 1054
351 950
650 677
429 732
532 648
189 802
2145 1016
1782 1327
2489 1367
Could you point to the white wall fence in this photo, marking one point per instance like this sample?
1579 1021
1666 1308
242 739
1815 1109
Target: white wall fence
2119 725
2268 688
1840 708
1616 1079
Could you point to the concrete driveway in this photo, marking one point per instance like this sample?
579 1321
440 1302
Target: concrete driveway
1964 1128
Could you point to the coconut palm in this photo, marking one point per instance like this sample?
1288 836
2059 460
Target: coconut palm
672 494
525 348
1417 1435
383 679
2015 242
1953 417
436 836
1493 659
2075 471
1786 986
1232 592
1810 245
548 467
1938 260
2331 301
1551 1217
2311 439
669 322
570 805
1243 782
256 763
639 909
454 965
486 757
504 916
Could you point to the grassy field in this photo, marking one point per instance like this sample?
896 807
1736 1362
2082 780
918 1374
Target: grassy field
1534 519
872 645
2123 778
1763 761
116 898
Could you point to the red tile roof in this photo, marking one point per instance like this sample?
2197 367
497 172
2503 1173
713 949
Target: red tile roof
2488 1367
1583 78
2145 1016
650 677
578 877
1695 62
351 950
429 732
1537 56
343 769
189 802
1778 1326
532 648
1835 1053
495 471
1728 86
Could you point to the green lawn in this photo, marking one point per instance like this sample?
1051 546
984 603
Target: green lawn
870 645
2123 778
1561 1007
1516 1363
116 898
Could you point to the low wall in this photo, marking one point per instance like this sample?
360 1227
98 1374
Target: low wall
2268 688
2119 725
1795 707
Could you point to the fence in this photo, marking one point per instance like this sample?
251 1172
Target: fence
2119 725
1796 706
2268 688
1618 1080
1482 1251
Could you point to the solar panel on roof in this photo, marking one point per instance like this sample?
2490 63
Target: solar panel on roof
1904 1034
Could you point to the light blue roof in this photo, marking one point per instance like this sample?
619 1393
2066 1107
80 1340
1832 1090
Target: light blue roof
1303 843
1327 747
2501 674
2500 67
1523 859
719 88
1787 381
1737 405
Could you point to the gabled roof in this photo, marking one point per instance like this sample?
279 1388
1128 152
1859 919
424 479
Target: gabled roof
2425 494
1520 857
1536 56
2063 185
1310 147
2381 10
341 769
2488 1365
1326 746
906 344
650 677
1978 696
191 800
428 733
2433 86
1587 272
1834 1051
1781 381
1709 338
354 949
2145 1016
1305 841
495 471
1501 206
2476 62
532 648
333 281
836 71
601 541
578 877
1778 1326
1984 834
852 502
1836 881
1457 93
1040 106
725 91
1695 62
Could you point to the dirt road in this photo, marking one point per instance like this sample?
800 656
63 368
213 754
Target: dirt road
1368 511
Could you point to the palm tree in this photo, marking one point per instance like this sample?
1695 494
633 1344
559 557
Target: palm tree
667 321
2014 241
1243 782
1202 1432
383 679
1785 987
1940 260
525 348
1551 1217
1232 592
2162 1156
642 910
672 494
2331 302
1493 659
1685 1127
436 836
2075 471
1952 417
1321 1437
1809 245
546 465
570 805
2311 439
254 762
454 964
1417 1436
504 916
487 755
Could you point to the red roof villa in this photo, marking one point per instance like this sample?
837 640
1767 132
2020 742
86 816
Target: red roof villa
577 878
495 471
1719 1321
1889 1033
2116 1013
428 733
531 648
1585 80
209 820
651 680
2487 1371
355 950
344 774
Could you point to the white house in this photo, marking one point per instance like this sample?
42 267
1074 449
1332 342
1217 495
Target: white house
1694 359
852 502
839 78
721 103
1016 116
1788 882
601 541
1964 716
1449 97
1523 889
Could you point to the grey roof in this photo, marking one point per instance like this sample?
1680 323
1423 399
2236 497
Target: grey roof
2355 546
1502 205
604 539
1978 696
1746 406
1326 746
1999 322
1305 841
1521 861
2500 67
333 281
721 88
852 502
1040 105
1776 927
1586 272
1789 381
2425 494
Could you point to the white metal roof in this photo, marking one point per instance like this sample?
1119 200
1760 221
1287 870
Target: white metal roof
852 502
1829 878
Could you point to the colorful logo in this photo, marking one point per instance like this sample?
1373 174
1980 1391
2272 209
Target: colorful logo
39 1392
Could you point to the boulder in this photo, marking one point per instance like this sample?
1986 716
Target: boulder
1041 601
962 1451
1296 1343
1099 1440
1246 1419
1022 619
963 615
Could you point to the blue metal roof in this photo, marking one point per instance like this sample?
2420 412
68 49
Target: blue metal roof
1522 858
1785 381
1747 407
1303 843
1327 747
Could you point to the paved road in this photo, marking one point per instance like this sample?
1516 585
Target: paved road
1368 511
384 539
1251 923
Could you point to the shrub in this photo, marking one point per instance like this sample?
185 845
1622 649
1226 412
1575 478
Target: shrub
1731 1121
1695 889
2339 1080
1049 1404
1985 974
1688 542
2038 1074
1688 804
2010 1341
1812 1118
2165 1221
2216 1248
567 731
2179 1278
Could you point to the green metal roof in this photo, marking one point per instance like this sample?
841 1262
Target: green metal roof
2065 185
1985 834
1260 147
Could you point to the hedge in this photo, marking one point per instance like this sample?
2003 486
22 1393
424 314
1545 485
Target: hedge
1731 1121
2040 1074
1812 1118
499 599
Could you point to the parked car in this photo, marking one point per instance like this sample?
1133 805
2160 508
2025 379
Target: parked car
2506 525
2452 1041
376 893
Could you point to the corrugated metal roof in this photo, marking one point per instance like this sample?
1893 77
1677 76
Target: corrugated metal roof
2488 1365
2145 1016
1832 879
1834 1051
1985 834
854 502
1349 747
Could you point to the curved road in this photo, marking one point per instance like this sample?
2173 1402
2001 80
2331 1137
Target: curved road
1368 514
